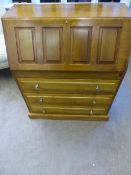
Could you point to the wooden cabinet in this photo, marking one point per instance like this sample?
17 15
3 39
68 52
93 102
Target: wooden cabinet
68 60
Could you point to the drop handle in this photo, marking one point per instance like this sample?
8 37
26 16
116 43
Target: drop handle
97 88
66 21
41 100
43 111
94 102
91 112
37 87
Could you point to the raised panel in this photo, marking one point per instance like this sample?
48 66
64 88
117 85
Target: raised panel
53 44
108 44
26 44
80 44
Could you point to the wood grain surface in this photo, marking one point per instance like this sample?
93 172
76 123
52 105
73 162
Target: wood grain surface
68 59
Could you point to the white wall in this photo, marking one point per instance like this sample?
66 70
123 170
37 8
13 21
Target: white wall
127 2
35 1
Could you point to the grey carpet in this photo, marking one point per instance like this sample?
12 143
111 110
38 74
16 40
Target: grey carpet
42 147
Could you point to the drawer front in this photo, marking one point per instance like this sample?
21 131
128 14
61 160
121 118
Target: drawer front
68 100
68 110
67 86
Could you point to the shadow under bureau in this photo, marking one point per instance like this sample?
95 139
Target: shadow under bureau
68 59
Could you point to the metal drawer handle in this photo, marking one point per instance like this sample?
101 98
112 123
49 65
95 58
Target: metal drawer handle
94 102
97 87
44 111
91 112
41 100
66 21
37 87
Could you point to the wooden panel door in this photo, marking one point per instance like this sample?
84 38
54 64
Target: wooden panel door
35 44
94 41
68 44
99 44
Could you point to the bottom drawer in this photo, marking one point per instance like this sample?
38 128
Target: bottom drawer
68 110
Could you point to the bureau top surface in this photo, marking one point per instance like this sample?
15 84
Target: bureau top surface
82 10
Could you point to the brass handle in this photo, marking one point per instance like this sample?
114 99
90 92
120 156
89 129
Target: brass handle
37 87
97 87
44 111
41 100
94 102
66 21
91 112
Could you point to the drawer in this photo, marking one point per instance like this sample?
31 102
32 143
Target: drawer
68 110
72 86
68 100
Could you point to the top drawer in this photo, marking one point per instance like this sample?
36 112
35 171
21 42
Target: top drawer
46 86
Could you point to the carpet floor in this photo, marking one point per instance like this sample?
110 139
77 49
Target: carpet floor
45 147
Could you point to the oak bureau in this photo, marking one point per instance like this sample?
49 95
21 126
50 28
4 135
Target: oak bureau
68 59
